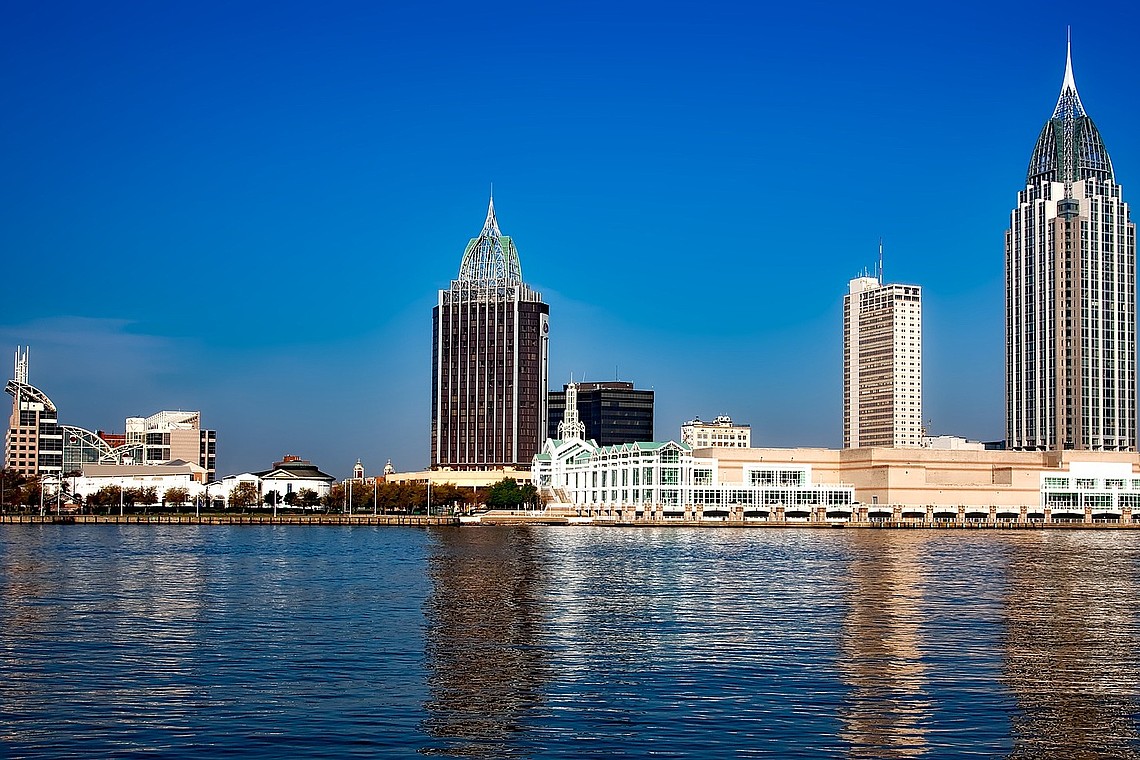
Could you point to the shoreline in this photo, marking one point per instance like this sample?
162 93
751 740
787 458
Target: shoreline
515 519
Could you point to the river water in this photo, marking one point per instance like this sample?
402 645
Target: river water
554 642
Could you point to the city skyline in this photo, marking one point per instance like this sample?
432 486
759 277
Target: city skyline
251 215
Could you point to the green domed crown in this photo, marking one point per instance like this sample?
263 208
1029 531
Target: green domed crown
491 259
1069 148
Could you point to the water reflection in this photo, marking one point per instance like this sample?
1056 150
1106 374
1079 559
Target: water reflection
1071 660
885 713
485 670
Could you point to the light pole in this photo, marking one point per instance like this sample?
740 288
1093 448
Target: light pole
429 496
350 498
373 497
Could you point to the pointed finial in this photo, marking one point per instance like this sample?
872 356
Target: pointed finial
491 226
1070 82
1069 101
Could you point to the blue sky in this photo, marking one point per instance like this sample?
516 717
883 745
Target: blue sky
248 208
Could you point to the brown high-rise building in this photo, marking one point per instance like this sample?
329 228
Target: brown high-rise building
489 360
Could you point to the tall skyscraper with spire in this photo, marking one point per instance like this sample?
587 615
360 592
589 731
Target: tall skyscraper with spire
1070 299
489 360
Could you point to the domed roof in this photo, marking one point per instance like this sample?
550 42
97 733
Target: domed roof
1069 147
491 257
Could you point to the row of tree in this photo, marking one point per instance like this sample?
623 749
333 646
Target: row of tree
21 491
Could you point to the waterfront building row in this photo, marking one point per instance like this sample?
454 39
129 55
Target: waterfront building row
37 445
871 482
668 476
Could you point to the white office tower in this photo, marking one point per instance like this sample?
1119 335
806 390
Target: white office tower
1070 302
882 364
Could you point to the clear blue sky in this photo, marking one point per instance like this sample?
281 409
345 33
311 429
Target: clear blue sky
248 208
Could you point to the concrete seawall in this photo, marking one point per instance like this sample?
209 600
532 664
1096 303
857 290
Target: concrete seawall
531 518
367 519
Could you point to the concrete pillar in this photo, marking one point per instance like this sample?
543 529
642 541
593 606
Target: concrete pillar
1048 515
1088 514
780 516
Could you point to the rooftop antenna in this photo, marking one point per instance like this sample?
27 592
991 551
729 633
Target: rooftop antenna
880 262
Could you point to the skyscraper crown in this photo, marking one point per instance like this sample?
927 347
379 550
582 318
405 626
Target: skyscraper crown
1069 147
492 257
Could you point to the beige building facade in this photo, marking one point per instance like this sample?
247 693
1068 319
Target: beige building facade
719 433
974 479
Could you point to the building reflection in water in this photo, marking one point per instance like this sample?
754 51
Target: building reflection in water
484 667
885 712
1071 655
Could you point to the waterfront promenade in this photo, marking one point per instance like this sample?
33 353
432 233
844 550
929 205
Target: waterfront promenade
572 518
220 519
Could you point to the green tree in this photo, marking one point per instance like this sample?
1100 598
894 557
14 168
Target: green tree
130 496
290 498
362 497
30 492
308 498
506 494
334 500
176 497
449 496
106 497
271 498
12 486
530 497
243 496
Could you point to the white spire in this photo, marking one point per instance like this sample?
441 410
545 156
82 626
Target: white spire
1070 82
1069 101
20 368
491 226
571 427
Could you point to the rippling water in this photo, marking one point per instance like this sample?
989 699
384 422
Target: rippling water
287 641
